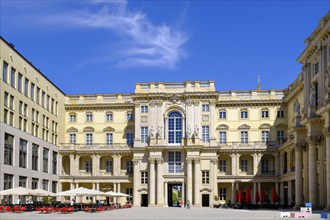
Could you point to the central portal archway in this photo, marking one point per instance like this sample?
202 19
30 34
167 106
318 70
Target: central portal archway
174 195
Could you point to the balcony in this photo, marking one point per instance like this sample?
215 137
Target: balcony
248 145
93 147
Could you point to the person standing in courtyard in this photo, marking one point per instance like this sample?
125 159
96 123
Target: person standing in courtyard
188 204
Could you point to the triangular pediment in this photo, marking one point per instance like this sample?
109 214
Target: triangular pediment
222 127
244 126
89 129
109 128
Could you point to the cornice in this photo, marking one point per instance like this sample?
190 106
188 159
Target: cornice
248 103
98 106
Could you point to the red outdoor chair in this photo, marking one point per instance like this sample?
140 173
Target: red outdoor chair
23 209
39 210
71 209
2 208
8 209
45 209
57 209
16 209
86 209
65 210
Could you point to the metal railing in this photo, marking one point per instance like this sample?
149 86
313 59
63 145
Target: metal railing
96 146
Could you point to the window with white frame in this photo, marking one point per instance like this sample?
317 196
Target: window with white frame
222 137
144 134
12 77
45 159
9 149
244 165
129 117
222 194
144 109
244 137
129 166
174 128
222 114
72 138
280 114
280 136
22 153
88 166
144 177
45 185
264 136
72 118
264 113
205 133
205 177
223 166
19 82
22 181
265 165
26 87
109 116
89 116
205 108
89 139
108 166
130 138
109 138
174 162
244 114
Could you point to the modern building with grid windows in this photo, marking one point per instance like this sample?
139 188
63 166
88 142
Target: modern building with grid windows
182 138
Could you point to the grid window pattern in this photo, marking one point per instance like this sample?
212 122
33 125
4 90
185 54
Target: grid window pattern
22 153
109 138
72 138
129 166
12 77
89 117
222 194
205 133
223 165
130 138
280 136
174 128
9 148
89 139
108 166
5 72
144 134
22 181
54 163
38 96
244 165
244 114
109 116
205 177
7 181
244 137
265 165
32 91
205 108
26 87
35 183
223 137
129 191
280 114
264 136
222 114
144 109
45 159
144 177
72 118
88 166
45 185
19 82
54 186
35 156
264 114
174 162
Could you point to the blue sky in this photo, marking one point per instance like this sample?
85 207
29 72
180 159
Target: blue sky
102 46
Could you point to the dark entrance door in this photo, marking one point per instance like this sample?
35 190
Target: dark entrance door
174 194
205 200
144 200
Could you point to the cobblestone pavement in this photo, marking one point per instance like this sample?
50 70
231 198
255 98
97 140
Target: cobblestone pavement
157 213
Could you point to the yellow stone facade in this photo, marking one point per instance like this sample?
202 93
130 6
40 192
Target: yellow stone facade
205 142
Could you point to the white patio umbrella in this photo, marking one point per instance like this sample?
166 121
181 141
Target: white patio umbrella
18 191
41 192
120 194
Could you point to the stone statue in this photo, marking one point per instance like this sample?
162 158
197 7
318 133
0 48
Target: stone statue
297 107
159 132
151 131
196 131
188 131
312 97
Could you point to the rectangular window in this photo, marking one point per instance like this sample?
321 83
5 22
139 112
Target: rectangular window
32 91
316 68
5 116
5 72
244 114
45 185
54 186
264 166
222 194
12 77
22 181
129 117
35 183
72 138
38 96
89 139
11 102
43 94
89 166
35 156
54 163
174 162
19 82
25 112
244 137
130 139
144 134
47 102
9 148
72 118
264 137
205 177
280 114
26 87
5 99
205 108
109 138
52 106
223 166
244 165
222 115
144 177
129 166
45 160
264 114
144 109
205 133
108 166
7 181
223 137
109 117
22 153
280 136
89 117
129 191
11 119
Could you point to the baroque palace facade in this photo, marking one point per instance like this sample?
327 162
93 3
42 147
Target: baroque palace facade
186 136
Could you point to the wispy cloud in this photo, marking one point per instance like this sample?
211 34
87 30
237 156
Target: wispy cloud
149 44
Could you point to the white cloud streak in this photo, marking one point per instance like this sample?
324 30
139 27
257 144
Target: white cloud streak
149 44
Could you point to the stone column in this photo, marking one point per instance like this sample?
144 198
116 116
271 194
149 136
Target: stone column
277 164
115 169
259 191
233 192
254 193
137 181
212 124
289 192
72 165
160 184
328 169
96 165
120 199
152 181
119 164
259 164
197 179
76 167
312 172
115 190
305 179
189 179
214 178
233 165
281 162
277 190
71 187
183 195
288 161
255 164
60 165
237 164
281 193
298 177
166 195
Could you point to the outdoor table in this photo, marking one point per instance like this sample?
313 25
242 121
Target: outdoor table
92 210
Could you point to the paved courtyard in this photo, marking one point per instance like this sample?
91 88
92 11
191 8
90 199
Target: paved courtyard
158 214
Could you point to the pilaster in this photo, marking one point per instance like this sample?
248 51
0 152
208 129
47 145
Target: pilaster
298 177
189 178
152 181
313 187
197 179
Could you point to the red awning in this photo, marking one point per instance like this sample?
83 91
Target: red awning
248 196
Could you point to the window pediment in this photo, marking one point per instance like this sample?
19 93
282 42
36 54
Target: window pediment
109 128
72 129
222 127
265 126
89 129
244 126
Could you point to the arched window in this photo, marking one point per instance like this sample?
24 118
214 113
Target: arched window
174 128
